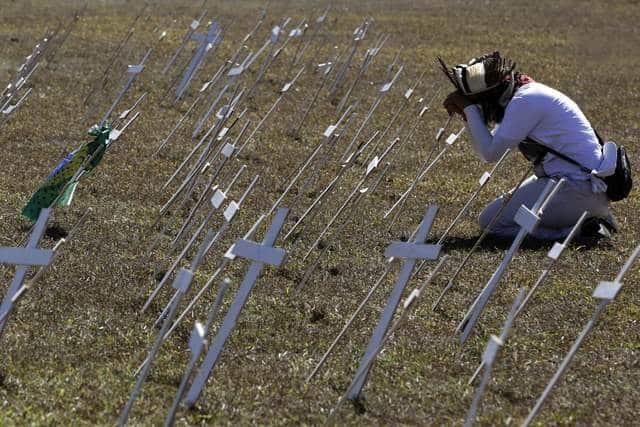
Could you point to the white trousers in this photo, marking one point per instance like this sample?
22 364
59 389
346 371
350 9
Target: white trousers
573 198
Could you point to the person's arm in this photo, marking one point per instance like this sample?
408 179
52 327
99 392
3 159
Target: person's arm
489 147
519 120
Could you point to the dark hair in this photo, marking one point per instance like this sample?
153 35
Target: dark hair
492 111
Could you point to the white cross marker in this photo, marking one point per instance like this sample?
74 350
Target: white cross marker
409 304
605 292
427 166
206 42
527 219
410 252
24 257
554 255
192 28
258 253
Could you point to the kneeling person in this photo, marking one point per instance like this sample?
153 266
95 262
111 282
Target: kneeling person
490 92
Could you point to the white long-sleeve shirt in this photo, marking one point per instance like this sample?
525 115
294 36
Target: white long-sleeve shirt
547 116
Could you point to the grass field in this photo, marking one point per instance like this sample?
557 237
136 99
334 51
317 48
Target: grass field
71 347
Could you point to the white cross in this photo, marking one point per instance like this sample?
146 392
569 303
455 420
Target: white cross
410 252
23 258
205 43
605 292
259 254
527 219
134 71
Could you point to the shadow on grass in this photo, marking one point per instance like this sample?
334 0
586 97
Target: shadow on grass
494 243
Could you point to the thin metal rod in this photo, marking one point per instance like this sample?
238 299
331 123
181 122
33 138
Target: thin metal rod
475 194
408 306
184 382
467 325
188 157
294 180
190 176
116 53
208 191
125 89
541 278
124 415
335 216
486 378
177 126
259 125
176 262
319 21
221 266
576 345
332 142
368 59
487 230
311 269
421 174
396 115
200 124
307 111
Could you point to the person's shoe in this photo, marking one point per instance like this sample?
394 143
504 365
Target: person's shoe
597 227
611 223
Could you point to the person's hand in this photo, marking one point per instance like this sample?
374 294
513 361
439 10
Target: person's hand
455 102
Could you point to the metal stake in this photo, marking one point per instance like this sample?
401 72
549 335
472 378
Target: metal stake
605 292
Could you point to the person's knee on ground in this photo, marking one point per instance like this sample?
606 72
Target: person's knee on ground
560 215
502 226
505 225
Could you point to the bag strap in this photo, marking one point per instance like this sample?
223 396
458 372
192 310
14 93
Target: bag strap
562 156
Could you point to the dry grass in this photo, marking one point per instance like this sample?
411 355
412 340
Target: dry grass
73 344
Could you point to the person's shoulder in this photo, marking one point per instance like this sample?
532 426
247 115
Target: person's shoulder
533 89
535 92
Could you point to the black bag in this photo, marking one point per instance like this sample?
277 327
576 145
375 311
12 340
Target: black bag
619 184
